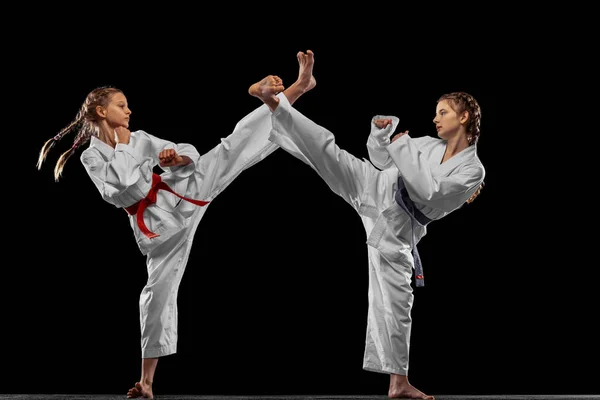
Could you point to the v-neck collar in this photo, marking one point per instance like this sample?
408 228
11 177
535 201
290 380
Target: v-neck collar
104 148
464 155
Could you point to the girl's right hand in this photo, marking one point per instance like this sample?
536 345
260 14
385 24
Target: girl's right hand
382 123
123 134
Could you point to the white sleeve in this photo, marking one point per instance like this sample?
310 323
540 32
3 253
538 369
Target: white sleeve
154 145
445 193
378 140
114 176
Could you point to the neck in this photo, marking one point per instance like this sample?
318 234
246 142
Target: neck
107 134
456 144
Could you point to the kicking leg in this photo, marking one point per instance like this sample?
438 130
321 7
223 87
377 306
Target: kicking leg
268 88
306 81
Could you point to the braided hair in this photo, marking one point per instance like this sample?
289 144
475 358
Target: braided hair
85 123
461 101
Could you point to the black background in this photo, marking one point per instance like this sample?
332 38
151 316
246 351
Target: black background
274 297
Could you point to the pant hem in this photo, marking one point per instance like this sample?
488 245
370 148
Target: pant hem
384 369
162 351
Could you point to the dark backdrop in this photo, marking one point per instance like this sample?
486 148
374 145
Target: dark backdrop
274 297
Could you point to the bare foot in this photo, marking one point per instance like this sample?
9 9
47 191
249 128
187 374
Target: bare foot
267 90
140 390
401 389
306 80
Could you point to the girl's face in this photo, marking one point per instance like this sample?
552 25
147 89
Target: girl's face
447 121
117 111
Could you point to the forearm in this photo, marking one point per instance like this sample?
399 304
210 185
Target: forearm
413 168
185 161
378 140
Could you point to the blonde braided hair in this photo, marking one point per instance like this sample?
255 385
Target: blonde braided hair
85 124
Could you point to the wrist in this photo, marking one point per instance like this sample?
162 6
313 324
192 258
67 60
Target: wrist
185 160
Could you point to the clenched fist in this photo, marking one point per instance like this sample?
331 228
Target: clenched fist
169 158
122 135
382 123
474 195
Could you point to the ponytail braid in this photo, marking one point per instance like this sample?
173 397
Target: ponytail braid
461 101
84 123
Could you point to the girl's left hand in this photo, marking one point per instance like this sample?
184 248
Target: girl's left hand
169 158
398 135
474 195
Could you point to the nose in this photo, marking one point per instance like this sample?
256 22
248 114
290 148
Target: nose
435 120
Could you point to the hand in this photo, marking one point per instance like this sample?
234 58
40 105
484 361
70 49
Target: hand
123 134
382 123
169 158
398 135
474 195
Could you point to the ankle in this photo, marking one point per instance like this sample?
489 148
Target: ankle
398 380
301 85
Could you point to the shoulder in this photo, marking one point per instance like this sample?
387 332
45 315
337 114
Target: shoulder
480 167
140 134
427 141
89 152
91 157
476 162
475 168
141 139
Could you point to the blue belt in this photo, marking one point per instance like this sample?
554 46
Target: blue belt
408 205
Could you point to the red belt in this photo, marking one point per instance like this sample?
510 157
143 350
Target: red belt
139 207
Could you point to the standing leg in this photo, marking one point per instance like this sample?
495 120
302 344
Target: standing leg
158 304
390 294
143 388
390 322
400 388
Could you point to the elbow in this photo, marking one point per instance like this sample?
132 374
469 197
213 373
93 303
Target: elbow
422 194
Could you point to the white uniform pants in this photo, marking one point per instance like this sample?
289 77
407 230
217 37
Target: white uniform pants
247 145
390 293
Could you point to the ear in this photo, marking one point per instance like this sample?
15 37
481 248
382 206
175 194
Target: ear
464 117
101 111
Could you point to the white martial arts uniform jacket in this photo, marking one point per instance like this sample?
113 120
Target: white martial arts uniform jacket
123 175
436 189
